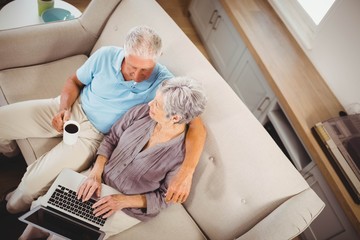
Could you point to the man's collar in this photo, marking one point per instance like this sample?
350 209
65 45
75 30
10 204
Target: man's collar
118 61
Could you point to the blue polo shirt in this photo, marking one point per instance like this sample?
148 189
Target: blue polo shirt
106 95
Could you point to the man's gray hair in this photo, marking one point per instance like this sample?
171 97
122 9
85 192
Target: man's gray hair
183 96
144 42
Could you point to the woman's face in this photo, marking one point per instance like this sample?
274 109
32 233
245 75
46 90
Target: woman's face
157 112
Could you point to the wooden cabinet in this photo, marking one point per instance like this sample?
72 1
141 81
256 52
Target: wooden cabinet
203 14
332 222
230 56
251 86
220 38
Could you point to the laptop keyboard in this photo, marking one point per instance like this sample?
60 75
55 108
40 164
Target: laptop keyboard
66 199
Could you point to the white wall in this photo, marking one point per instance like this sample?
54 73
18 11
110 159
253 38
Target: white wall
336 51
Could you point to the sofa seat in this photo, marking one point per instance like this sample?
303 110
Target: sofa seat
37 82
173 223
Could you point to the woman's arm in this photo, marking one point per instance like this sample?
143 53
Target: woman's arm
109 204
152 201
93 181
180 185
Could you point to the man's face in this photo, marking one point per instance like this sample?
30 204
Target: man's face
136 68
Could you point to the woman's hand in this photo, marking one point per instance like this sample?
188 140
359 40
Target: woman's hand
106 206
60 118
91 185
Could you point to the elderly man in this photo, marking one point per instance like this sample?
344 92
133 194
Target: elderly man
109 83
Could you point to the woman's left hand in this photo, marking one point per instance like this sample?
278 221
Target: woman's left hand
107 205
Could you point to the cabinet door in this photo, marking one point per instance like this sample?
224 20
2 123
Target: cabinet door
332 222
203 15
251 86
224 43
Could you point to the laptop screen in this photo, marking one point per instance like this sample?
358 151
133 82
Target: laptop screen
55 223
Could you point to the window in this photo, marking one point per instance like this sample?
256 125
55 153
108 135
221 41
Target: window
316 9
303 18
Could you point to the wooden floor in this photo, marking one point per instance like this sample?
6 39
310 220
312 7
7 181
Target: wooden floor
178 11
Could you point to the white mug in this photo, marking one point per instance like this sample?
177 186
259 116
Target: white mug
71 132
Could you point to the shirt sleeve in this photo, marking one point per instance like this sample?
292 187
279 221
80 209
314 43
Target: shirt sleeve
156 200
86 72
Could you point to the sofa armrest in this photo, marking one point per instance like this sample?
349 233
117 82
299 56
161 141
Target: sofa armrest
97 14
37 44
288 220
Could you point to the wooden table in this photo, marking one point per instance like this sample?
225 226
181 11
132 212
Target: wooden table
303 94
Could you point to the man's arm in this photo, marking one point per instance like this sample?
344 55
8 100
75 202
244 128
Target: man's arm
180 185
69 94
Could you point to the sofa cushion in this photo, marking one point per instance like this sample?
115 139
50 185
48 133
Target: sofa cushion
238 180
40 81
172 223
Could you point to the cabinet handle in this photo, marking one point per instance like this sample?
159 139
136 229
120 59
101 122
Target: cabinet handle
214 13
216 22
266 100
310 179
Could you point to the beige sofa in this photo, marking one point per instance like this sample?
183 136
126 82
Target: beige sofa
244 186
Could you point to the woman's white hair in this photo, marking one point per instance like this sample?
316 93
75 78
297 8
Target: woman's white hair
144 42
183 96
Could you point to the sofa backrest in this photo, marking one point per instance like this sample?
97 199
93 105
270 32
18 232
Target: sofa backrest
242 175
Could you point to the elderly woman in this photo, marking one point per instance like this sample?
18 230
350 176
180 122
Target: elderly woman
142 152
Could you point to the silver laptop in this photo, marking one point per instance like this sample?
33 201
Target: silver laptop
62 214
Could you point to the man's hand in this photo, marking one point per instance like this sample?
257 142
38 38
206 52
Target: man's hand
68 96
179 187
180 184
59 119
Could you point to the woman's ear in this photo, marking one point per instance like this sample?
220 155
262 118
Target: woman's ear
176 118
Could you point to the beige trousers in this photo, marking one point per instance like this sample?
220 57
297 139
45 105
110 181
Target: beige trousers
32 119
